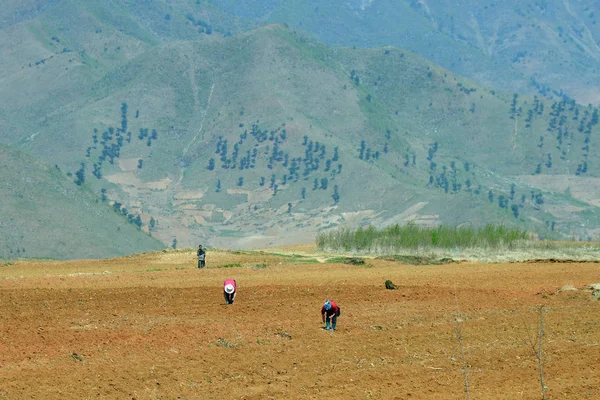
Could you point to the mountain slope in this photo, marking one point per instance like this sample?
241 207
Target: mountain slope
45 215
500 44
268 136
513 45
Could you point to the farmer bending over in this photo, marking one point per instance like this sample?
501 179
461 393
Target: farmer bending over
229 290
329 313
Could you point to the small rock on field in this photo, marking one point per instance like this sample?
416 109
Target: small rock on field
285 335
595 287
77 357
567 288
390 285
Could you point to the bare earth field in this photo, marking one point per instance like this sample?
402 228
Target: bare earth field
152 326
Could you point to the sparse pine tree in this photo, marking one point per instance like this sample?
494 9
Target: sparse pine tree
240 181
174 244
218 186
336 194
502 201
539 200
515 210
491 196
124 117
211 164
80 175
103 195
303 193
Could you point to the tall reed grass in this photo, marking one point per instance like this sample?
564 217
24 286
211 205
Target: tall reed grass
411 236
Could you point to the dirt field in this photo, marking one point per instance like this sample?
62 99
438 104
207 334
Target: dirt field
154 327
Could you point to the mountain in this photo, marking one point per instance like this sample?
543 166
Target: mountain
268 136
521 46
512 45
45 215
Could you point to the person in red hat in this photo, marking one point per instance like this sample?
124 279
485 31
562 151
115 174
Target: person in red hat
329 313
229 290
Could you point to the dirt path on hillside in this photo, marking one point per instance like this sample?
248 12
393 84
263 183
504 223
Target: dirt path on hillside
152 326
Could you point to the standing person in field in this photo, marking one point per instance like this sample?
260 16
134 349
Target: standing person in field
229 290
329 313
201 257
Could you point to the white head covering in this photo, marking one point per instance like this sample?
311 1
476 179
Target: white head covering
229 288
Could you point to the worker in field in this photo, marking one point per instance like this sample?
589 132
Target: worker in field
229 290
329 313
201 257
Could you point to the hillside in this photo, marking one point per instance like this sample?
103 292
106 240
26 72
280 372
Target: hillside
549 47
513 45
45 215
268 136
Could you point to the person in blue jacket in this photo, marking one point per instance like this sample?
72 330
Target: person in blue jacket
329 313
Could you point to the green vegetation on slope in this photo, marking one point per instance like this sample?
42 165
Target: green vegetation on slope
46 216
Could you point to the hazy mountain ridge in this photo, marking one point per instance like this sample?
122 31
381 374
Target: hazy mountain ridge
500 44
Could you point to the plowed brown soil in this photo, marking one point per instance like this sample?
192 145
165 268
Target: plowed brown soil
154 327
